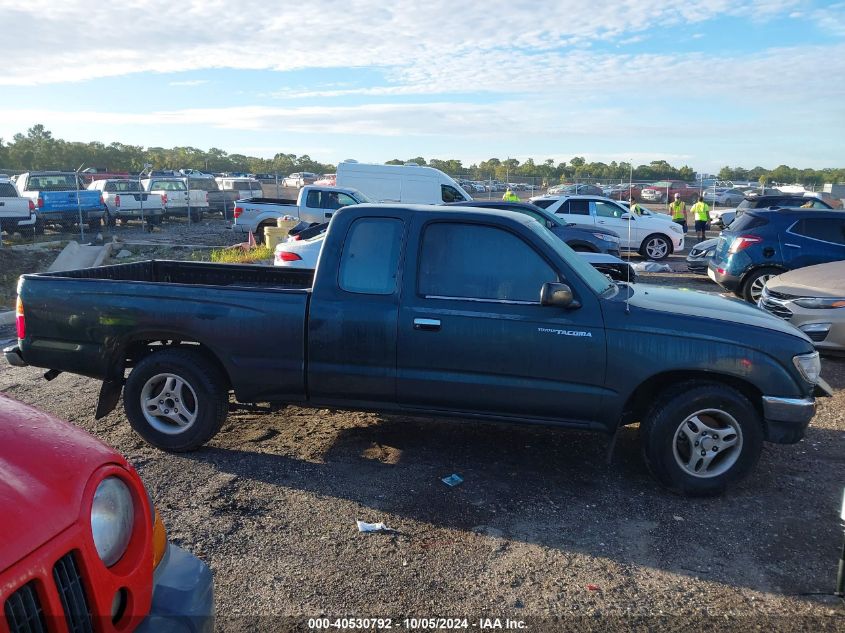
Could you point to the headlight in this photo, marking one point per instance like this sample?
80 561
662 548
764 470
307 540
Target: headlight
818 303
607 237
674 226
809 366
112 518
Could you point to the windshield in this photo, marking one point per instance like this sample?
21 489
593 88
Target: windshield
360 197
52 182
597 282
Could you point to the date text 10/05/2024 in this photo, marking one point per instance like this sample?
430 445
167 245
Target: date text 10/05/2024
415 624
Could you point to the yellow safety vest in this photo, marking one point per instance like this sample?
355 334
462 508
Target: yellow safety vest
678 208
510 196
701 211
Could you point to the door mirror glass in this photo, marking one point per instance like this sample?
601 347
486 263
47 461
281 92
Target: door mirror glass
626 216
559 295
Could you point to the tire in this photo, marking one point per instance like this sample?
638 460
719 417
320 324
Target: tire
94 225
259 233
108 219
655 247
693 418
202 397
196 216
752 285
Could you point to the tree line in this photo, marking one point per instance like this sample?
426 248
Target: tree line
38 149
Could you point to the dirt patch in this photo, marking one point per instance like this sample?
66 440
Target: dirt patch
15 262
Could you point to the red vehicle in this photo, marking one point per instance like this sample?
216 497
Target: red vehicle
665 190
81 546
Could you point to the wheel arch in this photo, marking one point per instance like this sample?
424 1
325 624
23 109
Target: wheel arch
585 247
643 396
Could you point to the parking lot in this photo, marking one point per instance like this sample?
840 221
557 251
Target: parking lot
541 530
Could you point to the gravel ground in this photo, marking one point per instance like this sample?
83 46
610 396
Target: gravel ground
541 530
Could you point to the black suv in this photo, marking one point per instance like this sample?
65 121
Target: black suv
772 201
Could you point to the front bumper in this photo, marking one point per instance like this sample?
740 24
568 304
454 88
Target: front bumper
697 264
788 418
183 595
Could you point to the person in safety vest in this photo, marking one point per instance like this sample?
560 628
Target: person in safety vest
510 196
701 212
678 210
636 209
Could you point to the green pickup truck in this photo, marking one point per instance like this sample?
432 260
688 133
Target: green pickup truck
441 311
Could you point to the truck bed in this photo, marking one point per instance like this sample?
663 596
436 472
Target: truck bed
250 318
196 273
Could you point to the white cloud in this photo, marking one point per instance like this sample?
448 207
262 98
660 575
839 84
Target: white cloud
163 36
188 82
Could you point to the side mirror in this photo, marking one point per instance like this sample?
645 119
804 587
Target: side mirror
625 216
559 295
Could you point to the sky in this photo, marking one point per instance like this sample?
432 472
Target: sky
706 83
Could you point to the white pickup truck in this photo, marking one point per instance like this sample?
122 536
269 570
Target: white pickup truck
177 197
314 205
16 213
125 200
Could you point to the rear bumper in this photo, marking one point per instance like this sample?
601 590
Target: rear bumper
725 279
136 213
13 356
183 595
71 215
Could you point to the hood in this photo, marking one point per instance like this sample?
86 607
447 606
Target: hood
695 303
824 280
44 466
706 244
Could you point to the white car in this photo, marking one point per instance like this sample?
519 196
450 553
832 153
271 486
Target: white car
652 236
299 253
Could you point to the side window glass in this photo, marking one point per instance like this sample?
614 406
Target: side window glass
345 200
313 200
450 194
605 210
370 258
579 207
823 229
480 262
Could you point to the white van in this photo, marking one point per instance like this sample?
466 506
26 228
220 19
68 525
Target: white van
409 183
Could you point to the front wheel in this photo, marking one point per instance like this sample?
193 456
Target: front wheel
656 247
176 400
752 287
699 438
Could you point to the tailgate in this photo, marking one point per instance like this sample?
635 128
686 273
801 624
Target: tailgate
14 207
68 201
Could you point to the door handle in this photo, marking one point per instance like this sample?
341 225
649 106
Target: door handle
428 325
792 245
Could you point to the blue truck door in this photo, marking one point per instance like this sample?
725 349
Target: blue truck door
352 320
473 336
814 240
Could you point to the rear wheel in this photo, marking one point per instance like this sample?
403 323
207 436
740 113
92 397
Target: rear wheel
176 400
752 287
699 438
655 247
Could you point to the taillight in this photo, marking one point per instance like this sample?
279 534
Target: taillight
102 201
286 256
206 197
295 237
164 198
743 242
238 211
117 201
31 205
20 323
40 202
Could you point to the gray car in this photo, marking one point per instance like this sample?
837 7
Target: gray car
813 300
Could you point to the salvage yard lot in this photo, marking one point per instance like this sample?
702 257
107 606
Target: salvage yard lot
540 528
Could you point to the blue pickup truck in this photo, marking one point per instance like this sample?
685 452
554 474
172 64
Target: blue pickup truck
440 311
60 198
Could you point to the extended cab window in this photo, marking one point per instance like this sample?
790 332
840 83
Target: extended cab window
450 194
480 262
370 258
7 190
